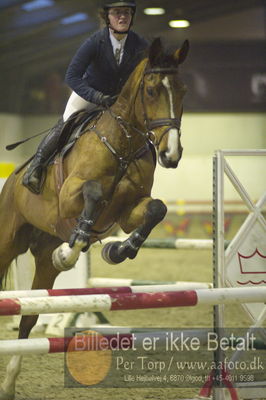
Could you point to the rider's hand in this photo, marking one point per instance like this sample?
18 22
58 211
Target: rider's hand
104 100
108 101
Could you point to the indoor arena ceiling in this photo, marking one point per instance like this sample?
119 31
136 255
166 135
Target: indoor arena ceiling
42 35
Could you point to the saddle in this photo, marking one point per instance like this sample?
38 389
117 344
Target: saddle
73 128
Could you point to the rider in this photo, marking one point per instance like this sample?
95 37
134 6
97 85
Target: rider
96 75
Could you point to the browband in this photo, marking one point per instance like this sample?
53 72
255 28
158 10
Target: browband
161 71
172 122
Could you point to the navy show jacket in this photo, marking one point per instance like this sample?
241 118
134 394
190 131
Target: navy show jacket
94 68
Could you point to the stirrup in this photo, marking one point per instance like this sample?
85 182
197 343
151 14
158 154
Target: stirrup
36 185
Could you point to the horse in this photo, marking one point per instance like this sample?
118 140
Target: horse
103 182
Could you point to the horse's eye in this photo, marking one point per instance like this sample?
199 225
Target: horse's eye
150 91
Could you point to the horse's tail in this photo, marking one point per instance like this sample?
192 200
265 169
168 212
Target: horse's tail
3 280
1 283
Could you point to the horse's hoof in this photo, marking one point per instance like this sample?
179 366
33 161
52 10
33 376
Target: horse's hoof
110 253
62 258
6 396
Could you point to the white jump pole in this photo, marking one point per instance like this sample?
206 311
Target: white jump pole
131 301
167 243
110 282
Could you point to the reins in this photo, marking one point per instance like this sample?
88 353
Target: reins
149 135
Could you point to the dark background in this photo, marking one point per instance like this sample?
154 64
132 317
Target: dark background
225 70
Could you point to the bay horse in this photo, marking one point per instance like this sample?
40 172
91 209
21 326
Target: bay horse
108 177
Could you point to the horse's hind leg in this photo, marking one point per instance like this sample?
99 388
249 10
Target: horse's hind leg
15 233
143 218
7 390
13 241
44 278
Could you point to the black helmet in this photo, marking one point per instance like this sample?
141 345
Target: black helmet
110 4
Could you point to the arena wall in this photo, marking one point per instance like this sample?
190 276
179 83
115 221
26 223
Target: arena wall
202 134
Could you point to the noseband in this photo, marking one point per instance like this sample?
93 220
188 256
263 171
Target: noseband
170 123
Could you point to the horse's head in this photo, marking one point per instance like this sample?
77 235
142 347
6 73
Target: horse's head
161 96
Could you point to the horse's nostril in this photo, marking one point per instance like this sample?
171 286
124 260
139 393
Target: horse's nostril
166 162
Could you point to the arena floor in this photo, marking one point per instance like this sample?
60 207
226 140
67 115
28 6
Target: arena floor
42 376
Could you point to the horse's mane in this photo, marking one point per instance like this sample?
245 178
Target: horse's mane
131 86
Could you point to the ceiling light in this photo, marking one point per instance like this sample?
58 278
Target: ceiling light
179 23
72 19
154 11
36 4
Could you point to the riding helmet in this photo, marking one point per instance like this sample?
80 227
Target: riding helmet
110 4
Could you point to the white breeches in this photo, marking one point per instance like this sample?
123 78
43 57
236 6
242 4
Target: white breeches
75 103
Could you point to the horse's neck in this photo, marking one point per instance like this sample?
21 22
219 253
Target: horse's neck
125 108
125 104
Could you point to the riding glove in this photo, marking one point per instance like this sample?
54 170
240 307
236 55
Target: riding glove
103 100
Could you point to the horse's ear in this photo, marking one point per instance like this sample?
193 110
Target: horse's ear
155 51
181 54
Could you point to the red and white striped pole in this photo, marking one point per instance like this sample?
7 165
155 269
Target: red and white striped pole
131 301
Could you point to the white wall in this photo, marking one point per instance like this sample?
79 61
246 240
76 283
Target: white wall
11 130
202 134
14 128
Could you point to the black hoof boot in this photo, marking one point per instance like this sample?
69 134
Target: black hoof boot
110 253
117 252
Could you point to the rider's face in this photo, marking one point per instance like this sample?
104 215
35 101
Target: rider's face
120 18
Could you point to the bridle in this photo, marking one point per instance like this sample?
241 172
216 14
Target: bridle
170 123
150 125
149 135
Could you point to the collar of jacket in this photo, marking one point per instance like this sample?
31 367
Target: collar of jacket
128 48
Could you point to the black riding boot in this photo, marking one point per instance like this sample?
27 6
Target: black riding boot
34 176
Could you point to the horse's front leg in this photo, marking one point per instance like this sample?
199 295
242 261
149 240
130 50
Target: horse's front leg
143 218
66 255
